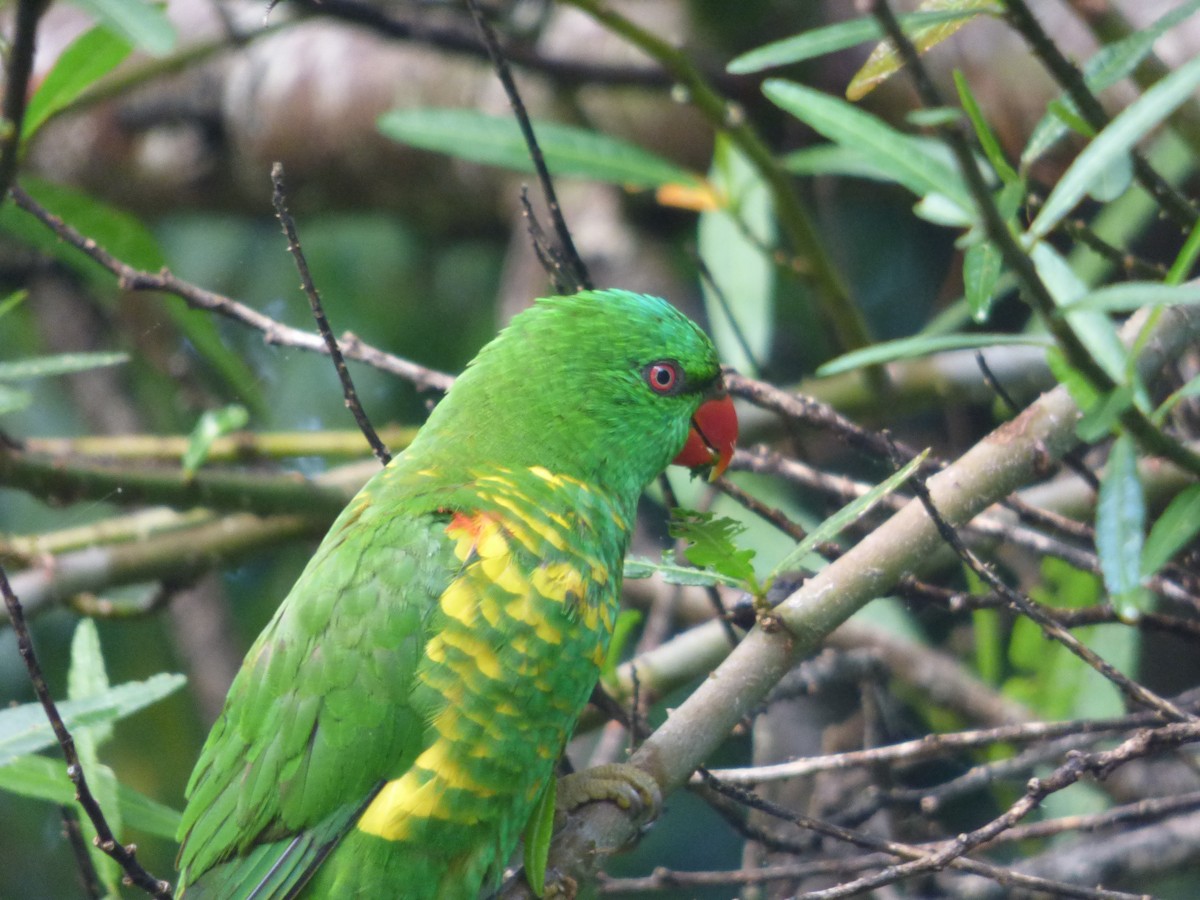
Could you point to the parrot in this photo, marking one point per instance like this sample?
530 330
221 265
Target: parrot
394 727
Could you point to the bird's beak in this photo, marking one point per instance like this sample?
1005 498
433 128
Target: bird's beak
711 438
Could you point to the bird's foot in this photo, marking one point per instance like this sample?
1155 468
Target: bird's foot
629 787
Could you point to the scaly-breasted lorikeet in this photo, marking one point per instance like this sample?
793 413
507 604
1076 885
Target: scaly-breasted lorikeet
395 724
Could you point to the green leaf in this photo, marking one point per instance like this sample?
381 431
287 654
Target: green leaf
538 833
672 573
1104 69
1130 296
832 38
906 158
497 141
734 243
1190 388
1116 140
12 301
60 364
627 621
1101 416
87 676
93 54
213 424
884 60
924 345
13 399
126 238
981 272
848 515
711 543
1121 522
1175 529
25 729
987 138
144 24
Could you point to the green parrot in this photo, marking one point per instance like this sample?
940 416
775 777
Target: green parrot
394 726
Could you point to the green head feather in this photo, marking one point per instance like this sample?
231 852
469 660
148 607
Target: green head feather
567 385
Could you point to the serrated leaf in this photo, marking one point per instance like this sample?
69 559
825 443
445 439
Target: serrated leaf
839 36
25 729
145 24
924 345
711 543
1116 140
1104 69
91 55
60 364
884 61
849 514
907 159
86 676
212 424
497 141
1121 521
1175 529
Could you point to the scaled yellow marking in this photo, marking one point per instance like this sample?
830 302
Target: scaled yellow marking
501 571
546 475
478 651
460 602
520 610
555 581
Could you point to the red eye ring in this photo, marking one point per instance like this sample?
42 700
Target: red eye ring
663 377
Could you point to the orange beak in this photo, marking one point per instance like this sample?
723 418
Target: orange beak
711 438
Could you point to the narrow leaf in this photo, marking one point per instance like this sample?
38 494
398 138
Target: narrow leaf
497 141
1130 296
983 131
1116 140
848 515
25 729
1104 69
906 158
538 833
924 345
61 364
1121 521
885 61
981 273
832 38
145 24
213 424
93 54
1175 529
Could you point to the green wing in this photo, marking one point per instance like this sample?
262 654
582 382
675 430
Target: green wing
326 706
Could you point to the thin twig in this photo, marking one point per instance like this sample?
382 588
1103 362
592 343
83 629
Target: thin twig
1019 262
16 90
273 331
919 858
570 274
1127 686
106 841
279 200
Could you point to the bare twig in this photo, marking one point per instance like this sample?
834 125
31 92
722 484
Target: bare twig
106 841
279 200
1019 262
569 273
273 331
16 89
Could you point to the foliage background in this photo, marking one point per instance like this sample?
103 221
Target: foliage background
426 255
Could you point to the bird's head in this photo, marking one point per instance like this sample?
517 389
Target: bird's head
608 386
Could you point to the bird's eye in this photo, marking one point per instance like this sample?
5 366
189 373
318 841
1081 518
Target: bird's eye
663 377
